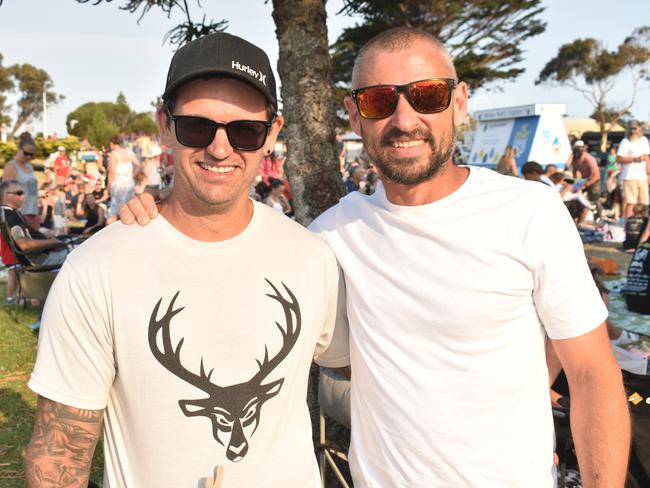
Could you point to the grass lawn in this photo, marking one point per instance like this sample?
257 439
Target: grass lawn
17 402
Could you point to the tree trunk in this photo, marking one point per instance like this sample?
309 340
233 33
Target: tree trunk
305 69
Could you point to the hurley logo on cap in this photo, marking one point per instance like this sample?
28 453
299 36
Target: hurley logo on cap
257 74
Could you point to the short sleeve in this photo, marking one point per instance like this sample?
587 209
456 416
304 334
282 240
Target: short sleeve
74 363
333 349
565 295
17 232
623 148
646 146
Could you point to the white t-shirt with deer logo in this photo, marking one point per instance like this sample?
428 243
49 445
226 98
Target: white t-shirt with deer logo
199 352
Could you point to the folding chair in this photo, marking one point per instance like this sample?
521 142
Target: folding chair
334 400
33 281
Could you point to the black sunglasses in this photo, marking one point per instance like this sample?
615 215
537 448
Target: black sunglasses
18 192
28 154
425 96
243 135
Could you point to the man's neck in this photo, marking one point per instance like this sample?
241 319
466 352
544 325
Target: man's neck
217 224
450 179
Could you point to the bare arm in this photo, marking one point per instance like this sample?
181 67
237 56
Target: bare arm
111 173
513 167
27 245
600 420
9 172
595 171
62 445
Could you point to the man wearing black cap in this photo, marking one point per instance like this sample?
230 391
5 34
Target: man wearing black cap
191 339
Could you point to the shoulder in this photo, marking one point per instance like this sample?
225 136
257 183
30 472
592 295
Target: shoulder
113 243
11 216
490 189
278 222
291 235
353 203
325 222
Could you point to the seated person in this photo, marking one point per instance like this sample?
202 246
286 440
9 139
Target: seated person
634 227
53 250
88 209
569 191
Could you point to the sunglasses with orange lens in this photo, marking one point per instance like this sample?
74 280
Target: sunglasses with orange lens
425 96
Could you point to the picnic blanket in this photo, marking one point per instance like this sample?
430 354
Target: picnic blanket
632 351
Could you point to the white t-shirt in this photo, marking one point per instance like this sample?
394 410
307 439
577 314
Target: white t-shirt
101 346
449 304
634 149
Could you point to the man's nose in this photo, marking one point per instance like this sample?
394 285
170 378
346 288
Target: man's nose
405 116
220 147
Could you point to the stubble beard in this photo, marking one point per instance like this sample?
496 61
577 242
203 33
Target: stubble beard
407 171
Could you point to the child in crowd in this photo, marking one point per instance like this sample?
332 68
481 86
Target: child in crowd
634 226
569 189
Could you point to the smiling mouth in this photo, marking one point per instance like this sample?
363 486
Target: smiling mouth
404 144
216 169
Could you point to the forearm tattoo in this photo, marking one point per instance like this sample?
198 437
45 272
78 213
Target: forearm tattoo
61 449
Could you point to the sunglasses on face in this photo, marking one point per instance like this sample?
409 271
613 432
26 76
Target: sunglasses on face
28 154
425 96
199 132
17 192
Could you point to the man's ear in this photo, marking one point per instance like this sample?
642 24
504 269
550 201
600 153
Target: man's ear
353 114
276 126
459 101
164 127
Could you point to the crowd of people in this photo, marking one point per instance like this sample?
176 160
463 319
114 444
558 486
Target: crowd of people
614 189
440 298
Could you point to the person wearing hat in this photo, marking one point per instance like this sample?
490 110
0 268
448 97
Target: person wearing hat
183 338
61 166
584 166
634 157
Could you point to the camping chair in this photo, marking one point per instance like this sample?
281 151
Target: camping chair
334 400
33 281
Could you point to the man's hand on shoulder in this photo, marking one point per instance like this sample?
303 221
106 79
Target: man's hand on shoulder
62 445
141 209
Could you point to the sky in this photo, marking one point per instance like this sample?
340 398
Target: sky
94 52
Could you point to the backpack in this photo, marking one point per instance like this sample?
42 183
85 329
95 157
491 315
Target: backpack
637 288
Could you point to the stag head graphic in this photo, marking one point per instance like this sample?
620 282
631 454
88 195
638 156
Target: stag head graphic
233 410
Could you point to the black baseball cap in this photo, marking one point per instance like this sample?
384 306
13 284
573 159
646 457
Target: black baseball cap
222 54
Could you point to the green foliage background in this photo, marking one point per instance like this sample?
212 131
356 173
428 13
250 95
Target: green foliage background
99 121
43 148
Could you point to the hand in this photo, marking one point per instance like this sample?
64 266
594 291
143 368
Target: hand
216 480
140 209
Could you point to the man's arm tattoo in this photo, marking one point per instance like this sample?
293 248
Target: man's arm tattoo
62 445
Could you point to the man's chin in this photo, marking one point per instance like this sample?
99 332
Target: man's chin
408 171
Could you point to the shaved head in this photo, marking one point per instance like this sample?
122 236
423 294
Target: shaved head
399 39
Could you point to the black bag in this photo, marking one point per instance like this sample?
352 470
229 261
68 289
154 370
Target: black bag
637 288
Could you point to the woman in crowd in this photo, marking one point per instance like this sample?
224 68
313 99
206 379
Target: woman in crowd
122 164
276 198
507 164
87 208
22 171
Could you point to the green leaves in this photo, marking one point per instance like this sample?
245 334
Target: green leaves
588 67
29 82
483 36
99 121
182 33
